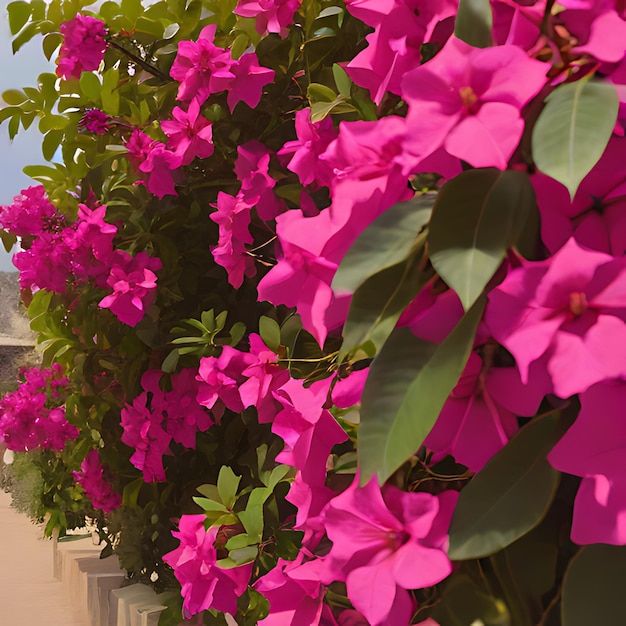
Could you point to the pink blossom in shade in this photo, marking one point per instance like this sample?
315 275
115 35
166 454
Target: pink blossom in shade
183 415
596 217
517 24
312 141
479 417
570 308
143 431
133 282
95 121
83 47
201 67
385 543
92 478
468 100
271 16
265 377
594 448
295 596
139 145
233 218
159 166
394 46
309 434
204 584
190 134
220 379
248 82
600 31
31 213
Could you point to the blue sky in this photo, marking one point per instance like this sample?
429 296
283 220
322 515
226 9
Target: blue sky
17 71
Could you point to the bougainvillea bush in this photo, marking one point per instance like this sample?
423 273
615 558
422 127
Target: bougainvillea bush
331 302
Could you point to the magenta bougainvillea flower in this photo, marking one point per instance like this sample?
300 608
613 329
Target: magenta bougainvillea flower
151 157
233 218
202 69
596 217
312 141
92 478
205 585
31 213
594 448
190 134
468 100
401 27
95 121
271 16
385 543
569 309
83 47
32 416
133 282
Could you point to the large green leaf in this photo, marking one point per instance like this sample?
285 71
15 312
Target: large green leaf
573 129
478 216
473 22
378 303
509 496
408 384
387 241
593 589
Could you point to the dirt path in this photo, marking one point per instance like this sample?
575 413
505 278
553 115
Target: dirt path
29 594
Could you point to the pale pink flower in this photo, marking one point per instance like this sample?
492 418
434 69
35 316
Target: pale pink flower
468 100
569 309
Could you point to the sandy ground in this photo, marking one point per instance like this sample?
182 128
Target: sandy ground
29 594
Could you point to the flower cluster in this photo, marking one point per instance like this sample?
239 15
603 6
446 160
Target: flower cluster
83 47
92 478
33 416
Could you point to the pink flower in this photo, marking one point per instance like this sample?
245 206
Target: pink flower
30 214
233 218
596 217
95 121
143 431
250 78
205 585
569 309
385 543
313 139
594 448
83 47
401 27
133 282
97 488
272 16
468 100
201 67
190 134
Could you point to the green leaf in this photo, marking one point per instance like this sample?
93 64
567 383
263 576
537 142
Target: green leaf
573 130
8 240
14 97
270 332
237 542
90 86
509 496
109 93
378 303
387 241
408 384
342 80
50 44
19 12
239 557
317 92
473 22
51 143
252 517
328 11
210 505
478 216
593 589
227 485
52 122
